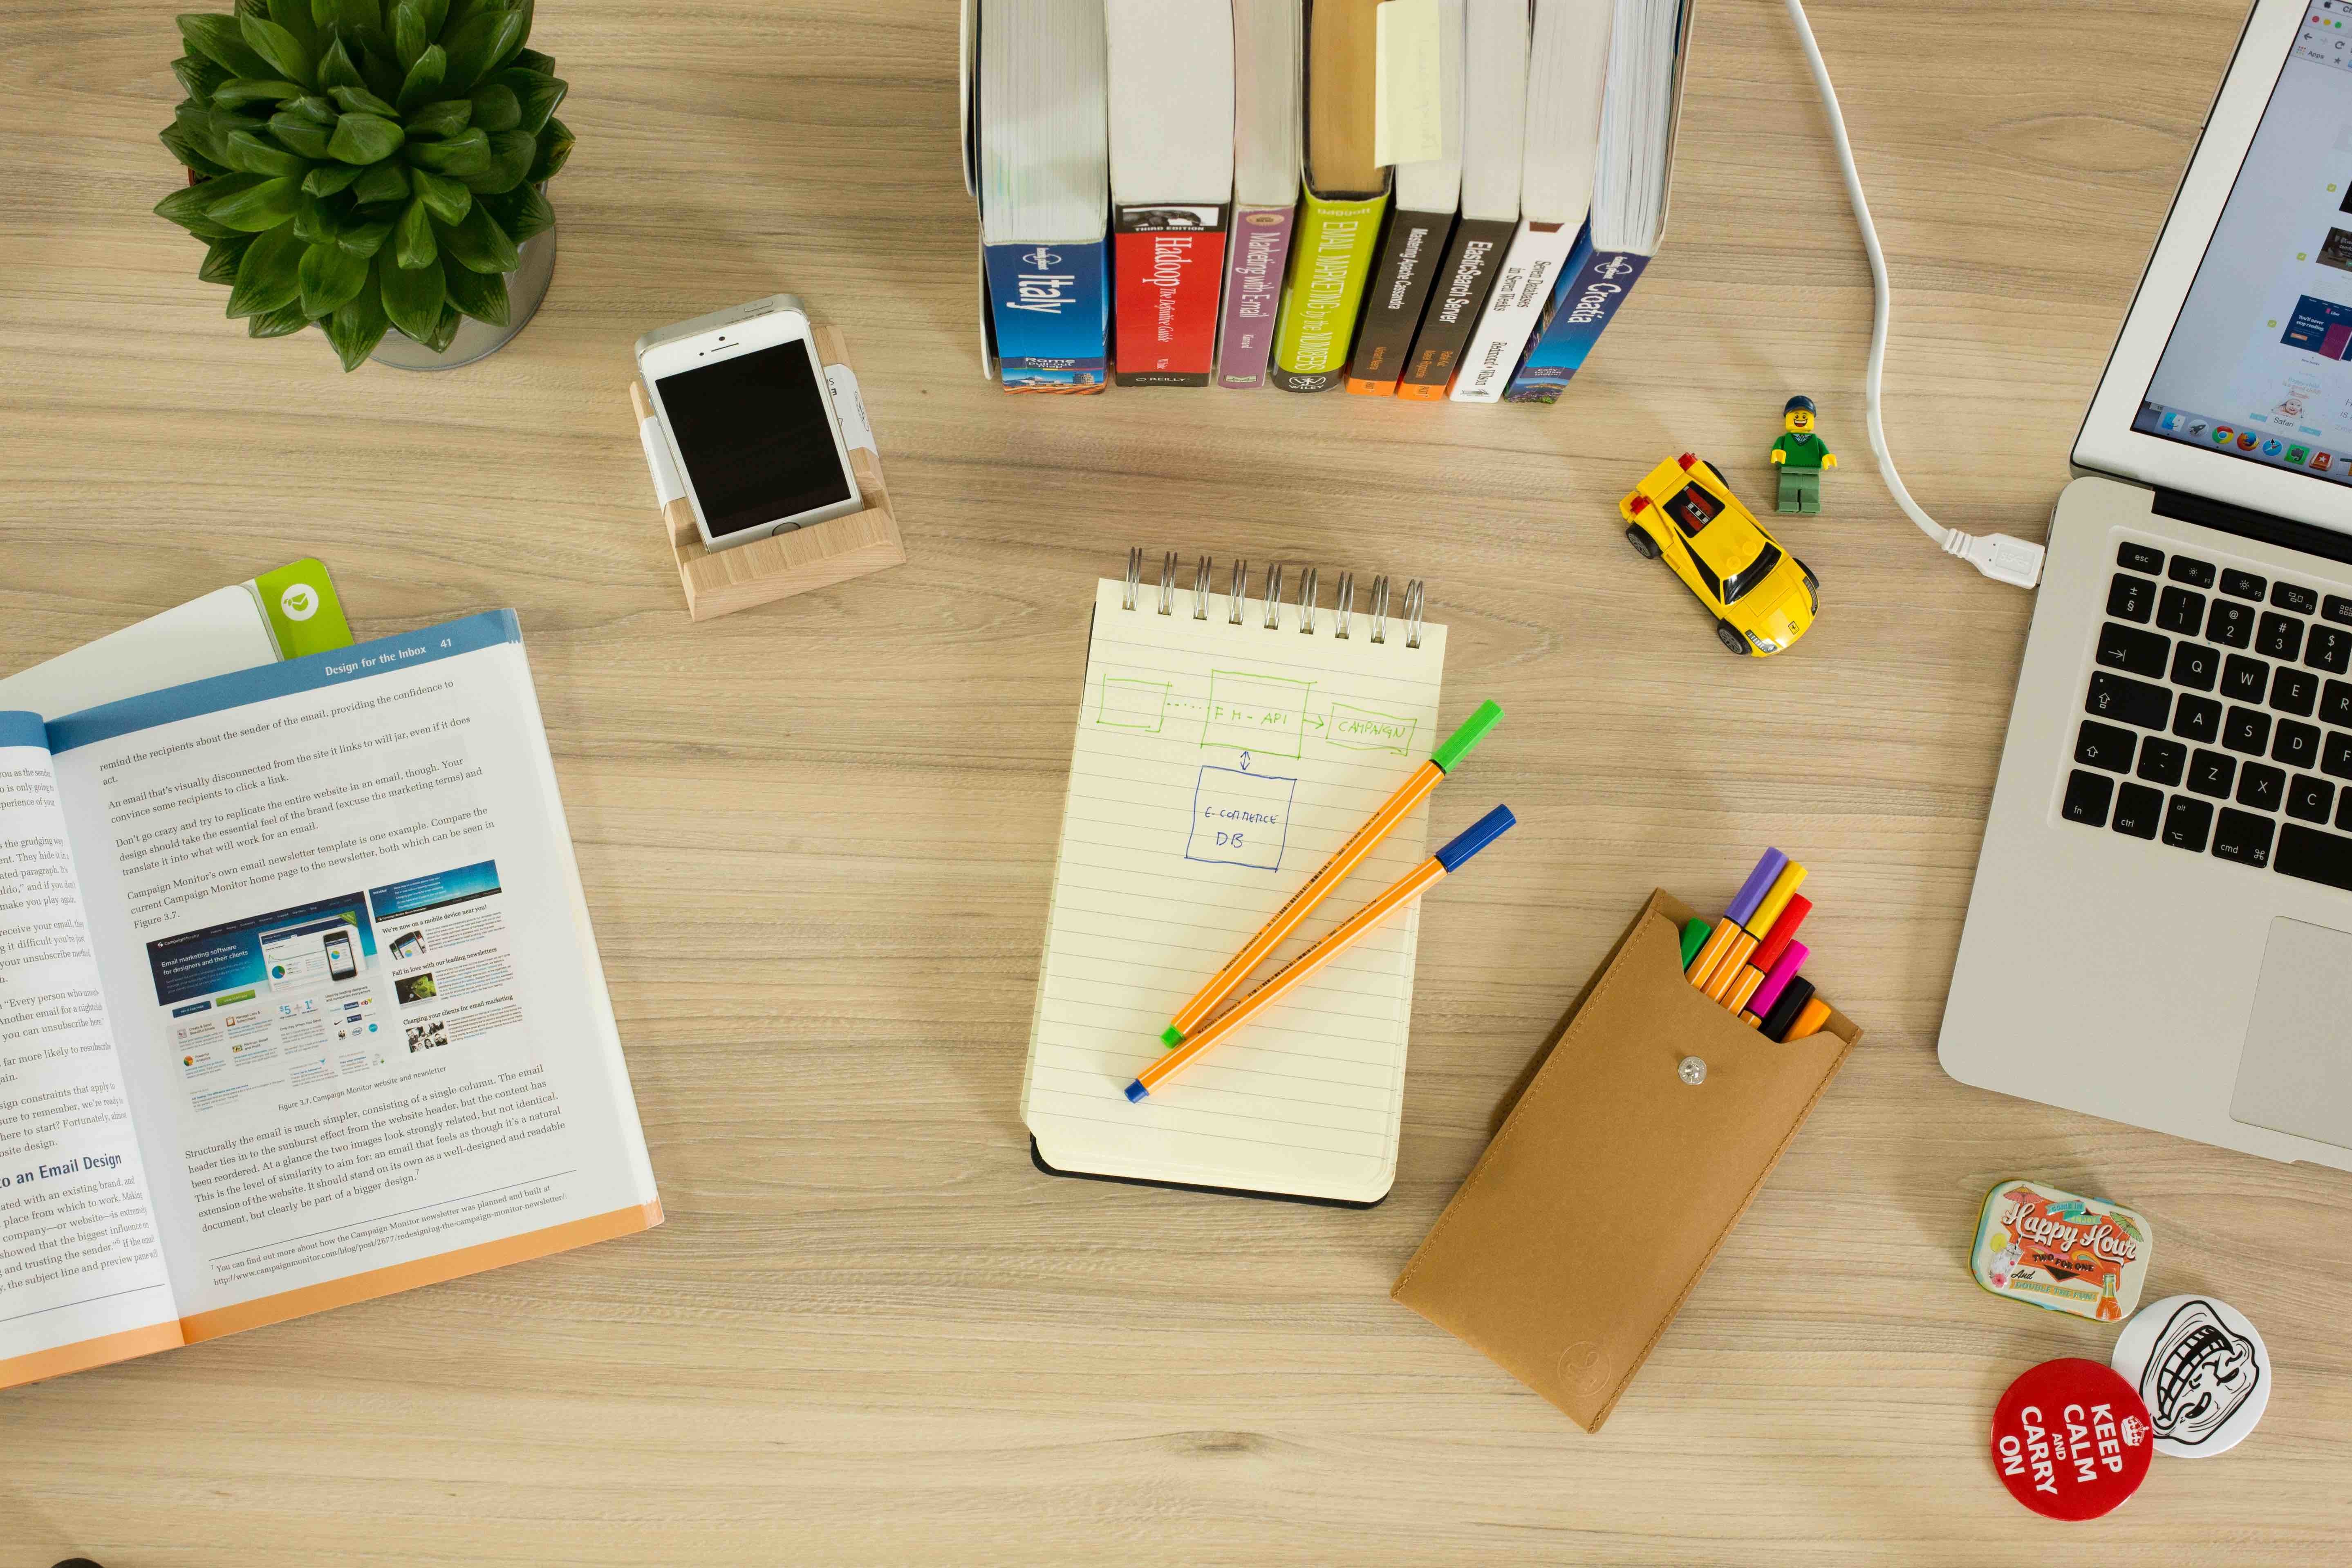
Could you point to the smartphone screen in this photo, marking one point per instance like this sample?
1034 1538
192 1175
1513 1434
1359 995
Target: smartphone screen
753 434
340 966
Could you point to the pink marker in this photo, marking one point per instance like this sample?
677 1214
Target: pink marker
1776 980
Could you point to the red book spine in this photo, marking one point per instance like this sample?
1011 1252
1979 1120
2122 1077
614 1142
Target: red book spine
1168 267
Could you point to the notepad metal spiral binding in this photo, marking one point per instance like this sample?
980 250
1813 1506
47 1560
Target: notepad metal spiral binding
1343 598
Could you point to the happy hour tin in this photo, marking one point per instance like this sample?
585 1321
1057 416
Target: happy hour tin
2061 1252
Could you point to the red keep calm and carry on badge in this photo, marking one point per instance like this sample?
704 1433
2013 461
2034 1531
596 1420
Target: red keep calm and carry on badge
2070 1439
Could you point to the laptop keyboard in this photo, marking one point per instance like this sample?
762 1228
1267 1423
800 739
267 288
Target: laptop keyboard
2218 719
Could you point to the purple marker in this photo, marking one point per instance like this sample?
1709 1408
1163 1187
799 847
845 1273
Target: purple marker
1751 893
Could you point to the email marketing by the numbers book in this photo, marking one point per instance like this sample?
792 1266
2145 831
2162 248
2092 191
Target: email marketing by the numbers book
299 1001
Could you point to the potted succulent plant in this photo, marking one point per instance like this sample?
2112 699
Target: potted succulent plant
370 168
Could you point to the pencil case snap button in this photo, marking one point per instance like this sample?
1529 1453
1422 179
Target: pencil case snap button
1692 1071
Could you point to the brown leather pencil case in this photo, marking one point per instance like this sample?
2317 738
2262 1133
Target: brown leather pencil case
1613 1182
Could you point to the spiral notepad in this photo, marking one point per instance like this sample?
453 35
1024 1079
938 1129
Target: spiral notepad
1228 742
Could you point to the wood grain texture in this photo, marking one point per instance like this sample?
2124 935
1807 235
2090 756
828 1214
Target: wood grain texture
817 841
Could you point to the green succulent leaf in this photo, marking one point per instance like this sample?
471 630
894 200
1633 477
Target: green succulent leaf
355 16
523 213
478 243
446 118
496 108
318 107
237 92
256 208
281 323
282 49
480 45
411 298
511 156
365 139
330 276
336 69
314 221
555 148
189 150
456 14
445 332
384 183
328 178
533 60
481 295
257 155
364 239
436 16
379 68
269 275
423 78
445 199
294 15
412 237
197 123
198 75
221 260
408 35
303 135
357 326
360 101
217 39
468 153
188 208
538 95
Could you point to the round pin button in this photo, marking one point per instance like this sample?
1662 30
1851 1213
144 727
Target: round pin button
2200 1369
2070 1439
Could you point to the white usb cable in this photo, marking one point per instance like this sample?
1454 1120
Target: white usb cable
1997 555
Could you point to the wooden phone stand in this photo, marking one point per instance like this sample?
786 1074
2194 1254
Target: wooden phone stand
720 581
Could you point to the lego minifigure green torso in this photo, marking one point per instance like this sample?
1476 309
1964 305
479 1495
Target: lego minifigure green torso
1801 455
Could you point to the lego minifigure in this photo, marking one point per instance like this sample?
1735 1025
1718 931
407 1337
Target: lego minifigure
1800 456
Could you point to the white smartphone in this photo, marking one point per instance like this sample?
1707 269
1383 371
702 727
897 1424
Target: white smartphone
743 403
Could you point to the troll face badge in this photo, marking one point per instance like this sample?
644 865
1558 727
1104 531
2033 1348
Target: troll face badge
2202 1371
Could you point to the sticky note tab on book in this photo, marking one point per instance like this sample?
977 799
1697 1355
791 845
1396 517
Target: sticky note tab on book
1408 115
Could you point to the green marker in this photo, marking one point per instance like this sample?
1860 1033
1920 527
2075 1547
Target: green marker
1694 938
1361 843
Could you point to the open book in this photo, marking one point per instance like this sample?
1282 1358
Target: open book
299 1001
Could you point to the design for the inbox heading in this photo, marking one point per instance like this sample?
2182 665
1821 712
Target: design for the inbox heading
335 990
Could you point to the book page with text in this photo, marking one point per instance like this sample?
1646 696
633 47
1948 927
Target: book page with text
367 1036
82 1279
1216 767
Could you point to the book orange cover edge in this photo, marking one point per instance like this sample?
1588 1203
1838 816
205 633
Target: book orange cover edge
329 1294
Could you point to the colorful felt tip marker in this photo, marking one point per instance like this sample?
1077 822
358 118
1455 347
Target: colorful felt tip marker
1753 929
1694 938
1414 883
1768 951
1768 994
1810 1019
1735 916
1346 859
1783 1016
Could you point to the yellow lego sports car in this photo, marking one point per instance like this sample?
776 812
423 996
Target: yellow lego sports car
1762 596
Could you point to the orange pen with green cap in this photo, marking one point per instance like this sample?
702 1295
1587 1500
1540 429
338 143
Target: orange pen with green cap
1753 931
1349 855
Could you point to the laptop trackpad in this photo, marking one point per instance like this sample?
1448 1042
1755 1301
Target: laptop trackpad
2296 1074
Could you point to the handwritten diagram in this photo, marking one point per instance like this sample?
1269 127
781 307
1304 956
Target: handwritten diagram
1250 710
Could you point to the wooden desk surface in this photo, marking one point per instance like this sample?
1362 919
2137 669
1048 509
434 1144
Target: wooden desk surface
816 839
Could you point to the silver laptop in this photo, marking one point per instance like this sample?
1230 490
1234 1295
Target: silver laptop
2161 927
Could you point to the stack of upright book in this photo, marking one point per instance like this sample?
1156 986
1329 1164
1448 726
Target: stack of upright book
1409 198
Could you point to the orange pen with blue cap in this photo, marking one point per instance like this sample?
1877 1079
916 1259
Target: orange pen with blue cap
1346 859
1411 886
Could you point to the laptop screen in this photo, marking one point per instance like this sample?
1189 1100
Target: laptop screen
2256 364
